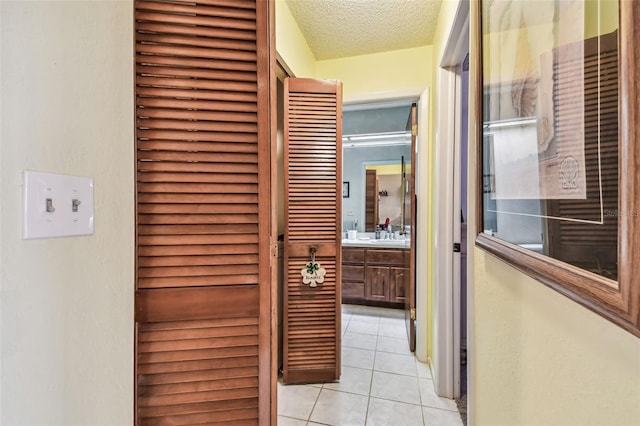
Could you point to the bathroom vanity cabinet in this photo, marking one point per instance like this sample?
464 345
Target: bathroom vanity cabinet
374 276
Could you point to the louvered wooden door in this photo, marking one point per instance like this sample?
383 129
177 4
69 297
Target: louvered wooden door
313 206
203 345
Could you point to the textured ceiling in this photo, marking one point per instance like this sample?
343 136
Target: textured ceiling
340 28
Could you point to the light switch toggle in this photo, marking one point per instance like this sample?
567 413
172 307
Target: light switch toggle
49 205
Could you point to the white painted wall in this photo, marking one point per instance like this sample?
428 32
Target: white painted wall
67 303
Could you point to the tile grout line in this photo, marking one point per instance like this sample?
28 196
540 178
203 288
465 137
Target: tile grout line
373 367
367 317
424 421
315 403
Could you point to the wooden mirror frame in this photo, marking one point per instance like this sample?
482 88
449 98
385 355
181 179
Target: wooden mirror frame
619 302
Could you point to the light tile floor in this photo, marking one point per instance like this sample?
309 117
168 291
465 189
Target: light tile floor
382 383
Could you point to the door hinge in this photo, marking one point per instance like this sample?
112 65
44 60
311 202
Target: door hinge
414 130
413 314
273 248
456 247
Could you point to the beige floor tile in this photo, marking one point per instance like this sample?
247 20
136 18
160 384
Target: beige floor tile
395 363
368 319
288 421
393 345
352 380
390 330
392 322
360 358
296 401
430 399
423 369
392 413
362 327
395 387
359 340
436 417
340 409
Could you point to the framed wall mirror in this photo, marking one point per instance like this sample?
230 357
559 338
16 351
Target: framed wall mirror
377 164
559 190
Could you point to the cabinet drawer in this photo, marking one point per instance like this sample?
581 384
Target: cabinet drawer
386 257
352 273
353 255
352 290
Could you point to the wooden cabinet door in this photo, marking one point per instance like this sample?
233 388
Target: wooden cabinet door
377 283
313 212
398 283
203 341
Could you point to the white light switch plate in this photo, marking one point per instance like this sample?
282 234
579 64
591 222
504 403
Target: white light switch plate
61 220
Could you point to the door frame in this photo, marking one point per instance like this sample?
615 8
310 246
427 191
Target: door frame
421 97
446 305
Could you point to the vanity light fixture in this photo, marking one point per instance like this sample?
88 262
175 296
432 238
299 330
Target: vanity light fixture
377 139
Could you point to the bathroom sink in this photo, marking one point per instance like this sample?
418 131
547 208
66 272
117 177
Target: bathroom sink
363 242
398 243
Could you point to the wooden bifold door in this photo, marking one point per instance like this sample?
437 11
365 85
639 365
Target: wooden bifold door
313 206
203 209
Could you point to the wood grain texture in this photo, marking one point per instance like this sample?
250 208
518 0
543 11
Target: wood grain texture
203 206
371 201
376 277
409 291
629 233
313 188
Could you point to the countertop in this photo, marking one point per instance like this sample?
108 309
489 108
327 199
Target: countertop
373 243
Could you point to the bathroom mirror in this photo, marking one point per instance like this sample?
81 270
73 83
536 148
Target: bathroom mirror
377 165
386 194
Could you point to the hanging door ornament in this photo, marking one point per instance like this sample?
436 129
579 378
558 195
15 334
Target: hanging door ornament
312 273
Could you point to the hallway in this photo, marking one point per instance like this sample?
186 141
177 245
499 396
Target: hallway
381 384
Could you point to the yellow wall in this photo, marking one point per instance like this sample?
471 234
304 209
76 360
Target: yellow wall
545 360
542 359
388 169
291 45
380 72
